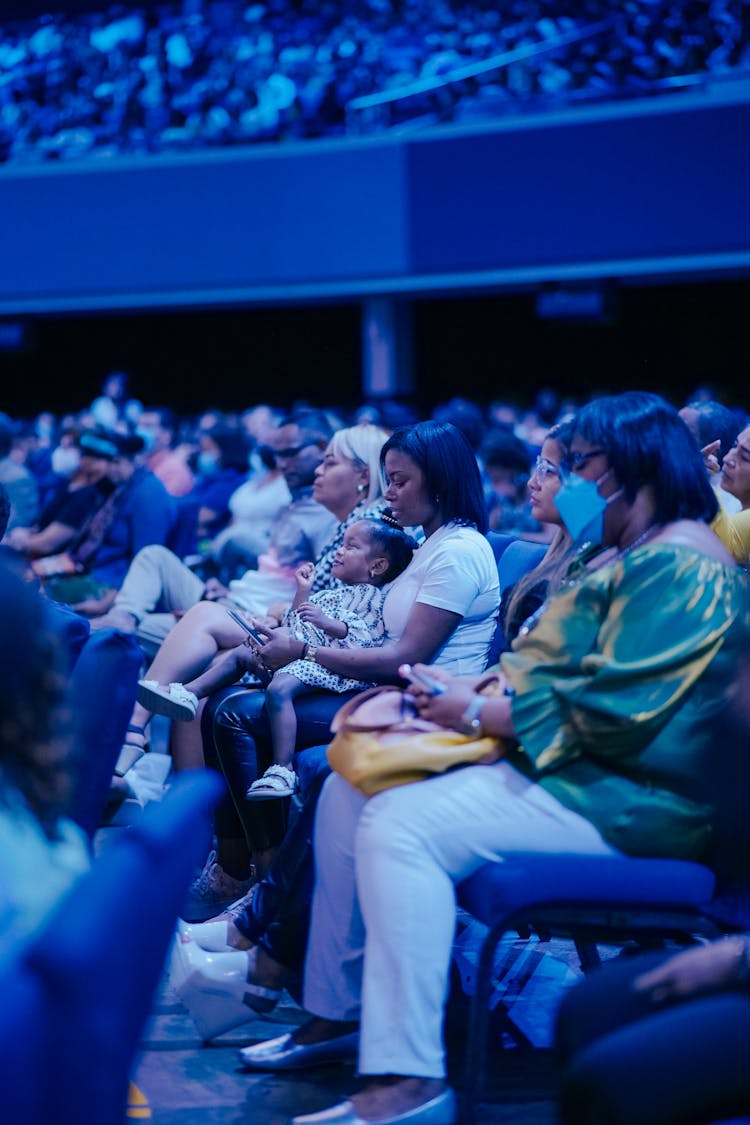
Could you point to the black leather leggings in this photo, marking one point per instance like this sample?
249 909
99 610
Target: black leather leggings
237 743
277 918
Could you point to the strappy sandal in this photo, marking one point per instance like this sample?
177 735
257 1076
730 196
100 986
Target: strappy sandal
132 751
277 781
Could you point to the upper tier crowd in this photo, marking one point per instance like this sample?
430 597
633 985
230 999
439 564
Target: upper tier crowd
273 565
206 73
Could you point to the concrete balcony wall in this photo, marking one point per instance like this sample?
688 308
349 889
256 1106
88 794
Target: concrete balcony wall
656 188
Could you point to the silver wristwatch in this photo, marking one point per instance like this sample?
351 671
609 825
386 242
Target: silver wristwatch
471 720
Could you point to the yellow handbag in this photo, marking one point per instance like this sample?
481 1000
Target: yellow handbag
380 741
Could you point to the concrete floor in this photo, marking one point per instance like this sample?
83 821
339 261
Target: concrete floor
188 1083
185 1082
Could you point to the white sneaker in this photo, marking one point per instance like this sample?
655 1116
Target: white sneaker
208 936
172 700
212 936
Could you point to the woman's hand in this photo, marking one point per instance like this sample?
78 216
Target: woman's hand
447 707
710 457
281 648
94 607
719 964
265 623
248 660
18 538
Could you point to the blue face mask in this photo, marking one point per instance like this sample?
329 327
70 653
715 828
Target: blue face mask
582 507
148 435
207 463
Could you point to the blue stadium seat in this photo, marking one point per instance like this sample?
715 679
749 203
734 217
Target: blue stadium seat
76 1000
589 899
101 694
514 560
518 558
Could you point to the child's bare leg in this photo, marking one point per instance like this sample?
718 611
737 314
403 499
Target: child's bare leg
225 669
280 695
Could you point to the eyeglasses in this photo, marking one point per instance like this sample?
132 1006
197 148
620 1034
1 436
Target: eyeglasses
287 454
574 462
544 468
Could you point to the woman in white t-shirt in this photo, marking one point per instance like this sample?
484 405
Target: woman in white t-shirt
442 610
254 508
446 601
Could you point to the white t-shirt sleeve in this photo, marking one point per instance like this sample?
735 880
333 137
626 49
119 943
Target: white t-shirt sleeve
453 580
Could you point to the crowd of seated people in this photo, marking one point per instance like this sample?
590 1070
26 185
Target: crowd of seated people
604 730
176 77
619 649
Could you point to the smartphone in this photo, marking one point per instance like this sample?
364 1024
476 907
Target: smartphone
422 679
248 628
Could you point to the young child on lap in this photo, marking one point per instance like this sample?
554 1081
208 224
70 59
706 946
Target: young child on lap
374 553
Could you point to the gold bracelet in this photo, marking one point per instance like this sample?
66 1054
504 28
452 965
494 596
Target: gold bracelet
310 653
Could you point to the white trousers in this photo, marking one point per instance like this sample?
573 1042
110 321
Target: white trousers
384 908
157 579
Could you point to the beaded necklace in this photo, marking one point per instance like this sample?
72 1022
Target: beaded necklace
581 566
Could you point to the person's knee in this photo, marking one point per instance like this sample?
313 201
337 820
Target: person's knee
280 693
206 616
238 710
155 556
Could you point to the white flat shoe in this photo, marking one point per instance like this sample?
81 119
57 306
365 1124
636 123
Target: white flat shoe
284 1053
210 936
441 1110
215 990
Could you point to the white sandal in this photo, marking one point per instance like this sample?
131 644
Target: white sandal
172 700
277 781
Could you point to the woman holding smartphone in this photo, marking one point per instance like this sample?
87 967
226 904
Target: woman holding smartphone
347 483
442 609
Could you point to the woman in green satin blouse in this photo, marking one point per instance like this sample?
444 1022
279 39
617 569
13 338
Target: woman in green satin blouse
606 745
616 683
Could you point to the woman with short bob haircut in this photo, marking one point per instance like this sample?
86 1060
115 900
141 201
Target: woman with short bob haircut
361 445
646 442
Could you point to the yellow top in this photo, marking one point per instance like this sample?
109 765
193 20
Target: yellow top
734 532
